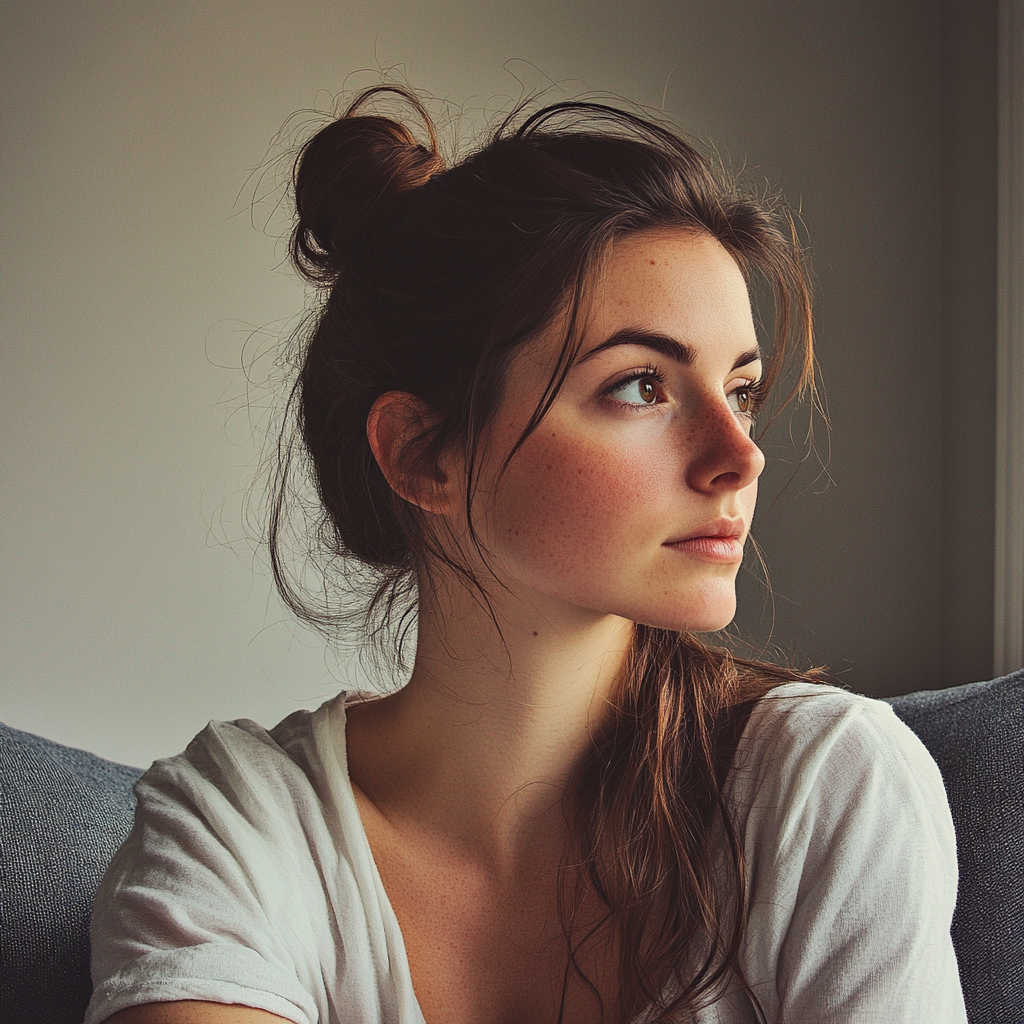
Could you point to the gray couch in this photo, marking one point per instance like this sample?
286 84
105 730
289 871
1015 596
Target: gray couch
63 813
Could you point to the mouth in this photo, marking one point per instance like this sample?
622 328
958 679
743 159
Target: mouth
720 540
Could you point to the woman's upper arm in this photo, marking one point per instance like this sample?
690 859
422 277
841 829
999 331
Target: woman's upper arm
211 906
191 1011
854 874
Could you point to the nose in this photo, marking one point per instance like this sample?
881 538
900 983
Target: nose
724 455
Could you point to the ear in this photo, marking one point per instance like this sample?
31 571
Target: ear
396 422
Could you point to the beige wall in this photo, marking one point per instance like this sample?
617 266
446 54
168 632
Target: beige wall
133 610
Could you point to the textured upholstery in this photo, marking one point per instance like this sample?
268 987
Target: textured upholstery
976 735
63 813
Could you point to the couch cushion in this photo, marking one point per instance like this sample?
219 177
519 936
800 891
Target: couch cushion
976 735
63 814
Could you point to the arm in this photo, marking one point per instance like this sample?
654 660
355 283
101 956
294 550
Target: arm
213 899
192 1012
853 879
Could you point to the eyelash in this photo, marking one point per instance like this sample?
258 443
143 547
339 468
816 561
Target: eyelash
755 389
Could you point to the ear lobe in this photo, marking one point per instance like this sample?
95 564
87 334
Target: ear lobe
396 423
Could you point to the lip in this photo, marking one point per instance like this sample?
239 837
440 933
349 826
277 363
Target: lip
716 541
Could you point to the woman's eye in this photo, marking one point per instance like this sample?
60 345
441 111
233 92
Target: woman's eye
742 401
637 390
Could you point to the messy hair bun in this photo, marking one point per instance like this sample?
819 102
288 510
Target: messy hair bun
349 176
438 277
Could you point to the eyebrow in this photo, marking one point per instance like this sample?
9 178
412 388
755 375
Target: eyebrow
666 346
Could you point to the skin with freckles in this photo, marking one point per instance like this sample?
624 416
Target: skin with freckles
587 506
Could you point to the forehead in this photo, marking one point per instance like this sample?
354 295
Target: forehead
672 279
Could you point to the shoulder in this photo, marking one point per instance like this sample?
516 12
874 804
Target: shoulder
216 824
240 769
240 797
222 748
800 735
238 803
828 781
803 710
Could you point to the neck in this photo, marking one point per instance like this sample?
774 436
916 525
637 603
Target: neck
479 746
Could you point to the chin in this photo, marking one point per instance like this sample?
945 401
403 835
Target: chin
707 613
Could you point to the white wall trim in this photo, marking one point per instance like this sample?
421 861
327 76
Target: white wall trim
1008 653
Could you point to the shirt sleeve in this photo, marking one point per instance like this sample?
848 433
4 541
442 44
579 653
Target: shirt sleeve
209 899
852 859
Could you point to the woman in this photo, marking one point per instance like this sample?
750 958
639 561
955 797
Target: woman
529 399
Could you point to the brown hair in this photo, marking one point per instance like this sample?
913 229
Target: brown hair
434 277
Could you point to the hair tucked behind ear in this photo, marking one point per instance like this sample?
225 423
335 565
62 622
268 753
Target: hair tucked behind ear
437 276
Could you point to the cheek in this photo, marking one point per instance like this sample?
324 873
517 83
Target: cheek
574 507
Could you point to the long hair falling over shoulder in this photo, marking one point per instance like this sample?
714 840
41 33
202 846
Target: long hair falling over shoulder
432 278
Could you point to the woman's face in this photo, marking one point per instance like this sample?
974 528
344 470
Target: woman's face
635 494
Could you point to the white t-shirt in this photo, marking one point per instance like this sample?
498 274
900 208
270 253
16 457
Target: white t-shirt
248 877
